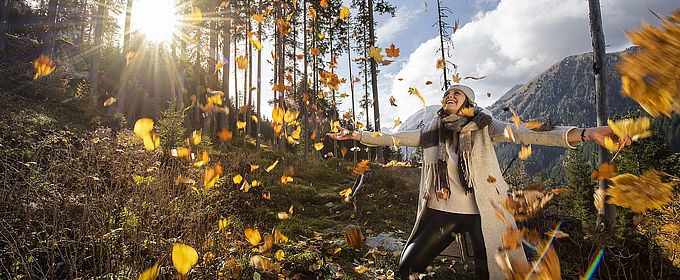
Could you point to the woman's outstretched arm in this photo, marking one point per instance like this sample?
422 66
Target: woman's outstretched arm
402 139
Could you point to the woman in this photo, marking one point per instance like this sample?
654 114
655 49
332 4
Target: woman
458 157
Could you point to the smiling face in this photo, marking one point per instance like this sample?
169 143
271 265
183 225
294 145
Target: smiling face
453 100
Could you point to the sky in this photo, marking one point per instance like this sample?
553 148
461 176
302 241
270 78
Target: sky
508 41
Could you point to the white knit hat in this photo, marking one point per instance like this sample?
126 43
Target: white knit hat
469 93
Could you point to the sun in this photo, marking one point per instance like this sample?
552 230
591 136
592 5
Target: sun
156 19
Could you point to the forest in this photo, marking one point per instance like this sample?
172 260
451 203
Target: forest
190 139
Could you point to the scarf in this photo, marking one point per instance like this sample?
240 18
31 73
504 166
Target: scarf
457 128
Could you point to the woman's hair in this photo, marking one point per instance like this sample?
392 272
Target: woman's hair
467 103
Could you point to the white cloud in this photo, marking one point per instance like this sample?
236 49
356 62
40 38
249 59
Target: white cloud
388 31
514 42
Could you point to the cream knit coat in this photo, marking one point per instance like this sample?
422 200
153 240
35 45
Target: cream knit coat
484 164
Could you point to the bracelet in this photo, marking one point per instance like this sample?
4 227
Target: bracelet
583 135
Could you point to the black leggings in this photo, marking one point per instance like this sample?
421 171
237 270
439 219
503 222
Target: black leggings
435 234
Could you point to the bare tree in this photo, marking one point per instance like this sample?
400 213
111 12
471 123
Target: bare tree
98 34
126 30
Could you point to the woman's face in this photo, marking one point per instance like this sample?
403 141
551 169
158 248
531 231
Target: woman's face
453 100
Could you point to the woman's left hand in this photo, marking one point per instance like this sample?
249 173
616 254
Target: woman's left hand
598 134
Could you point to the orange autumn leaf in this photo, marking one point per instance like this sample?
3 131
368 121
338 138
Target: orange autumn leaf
466 112
323 3
440 63
604 171
242 62
361 167
318 146
525 152
315 51
224 135
392 51
202 160
258 18
211 176
252 235
491 179
312 13
344 12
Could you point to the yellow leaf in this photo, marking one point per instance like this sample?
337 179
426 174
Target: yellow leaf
151 141
254 167
344 12
346 193
279 255
237 179
143 127
361 167
240 124
291 115
196 137
635 129
286 179
246 186
109 101
272 166
318 146
290 210
312 13
202 160
610 145
282 216
255 42
640 193
416 92
183 258
222 223
255 183
279 237
150 273
440 63
456 78
334 126
258 17
277 114
129 56
43 66
296 133
375 53
219 65
604 171
242 62
507 132
532 124
255 118
397 122
253 236
321 36
211 176
195 15
525 152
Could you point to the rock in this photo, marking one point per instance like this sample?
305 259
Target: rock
385 241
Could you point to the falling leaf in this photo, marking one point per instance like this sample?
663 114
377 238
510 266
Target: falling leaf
286 179
455 26
290 115
129 56
253 236
488 94
491 179
241 125
109 101
282 216
649 75
290 210
279 237
361 167
353 236
599 196
640 193
557 233
525 152
393 101
196 137
150 273
218 65
181 153
258 18
43 66
237 179
466 112
222 223
224 135
260 262
375 53
315 52
427 83
202 160
440 63
392 51
397 122
255 42
312 13
323 3
279 255
346 193
635 129
456 78
532 124
498 211
416 92
344 12
343 151
267 196
211 176
272 166
604 171
143 127
610 145
318 146
242 62
183 258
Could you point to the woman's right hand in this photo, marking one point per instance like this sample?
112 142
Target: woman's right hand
342 134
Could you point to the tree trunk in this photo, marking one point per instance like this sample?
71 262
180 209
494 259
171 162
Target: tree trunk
83 19
606 217
94 71
226 52
126 31
249 86
441 42
259 82
351 86
213 51
368 150
305 78
51 24
4 18
374 81
236 98
335 107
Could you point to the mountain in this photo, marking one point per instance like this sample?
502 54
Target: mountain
565 94
424 115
